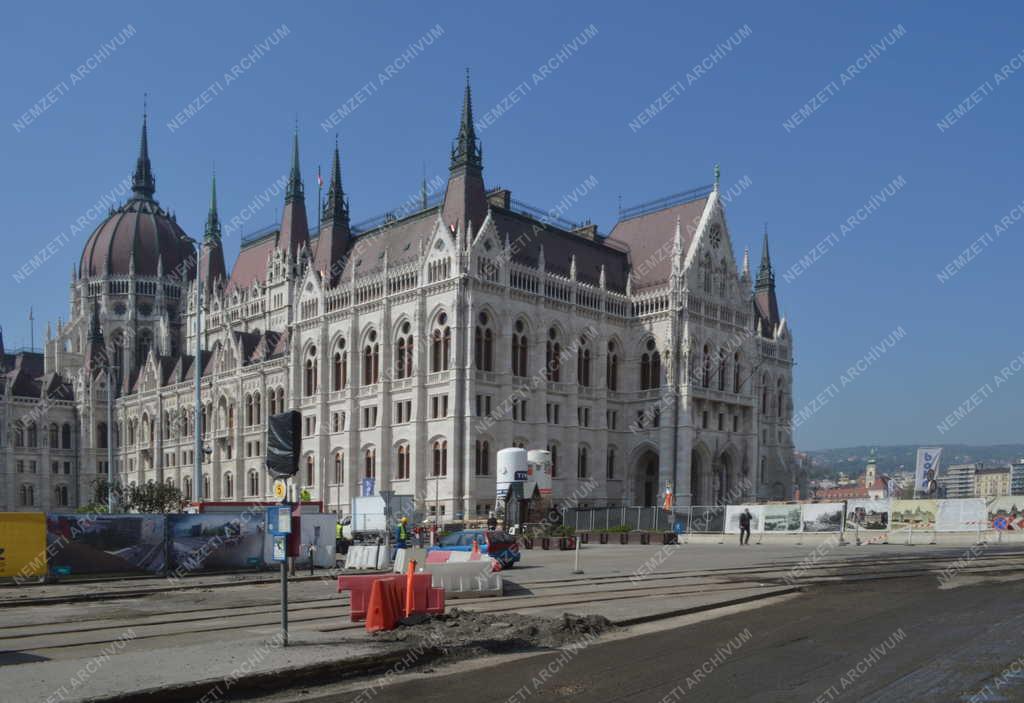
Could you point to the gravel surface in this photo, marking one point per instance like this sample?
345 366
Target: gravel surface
468 632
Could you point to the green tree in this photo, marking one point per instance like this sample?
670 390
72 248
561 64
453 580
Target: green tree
148 498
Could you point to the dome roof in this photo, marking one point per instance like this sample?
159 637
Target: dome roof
138 234
139 230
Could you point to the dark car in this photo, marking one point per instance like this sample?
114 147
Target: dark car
496 544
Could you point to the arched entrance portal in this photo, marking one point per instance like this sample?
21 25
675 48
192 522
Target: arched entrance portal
645 479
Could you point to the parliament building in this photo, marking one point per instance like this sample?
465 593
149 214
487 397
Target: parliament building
415 346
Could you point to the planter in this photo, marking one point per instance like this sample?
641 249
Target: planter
563 543
624 538
545 543
528 542
669 538
585 538
570 543
645 538
603 538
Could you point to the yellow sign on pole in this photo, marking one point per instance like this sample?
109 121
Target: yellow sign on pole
280 489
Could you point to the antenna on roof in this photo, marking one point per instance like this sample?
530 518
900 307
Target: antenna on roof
620 204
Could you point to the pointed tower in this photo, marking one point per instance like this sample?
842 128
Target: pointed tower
764 292
96 352
211 260
294 225
465 199
871 473
143 181
335 233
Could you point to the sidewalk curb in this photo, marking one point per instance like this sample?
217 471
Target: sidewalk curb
324 672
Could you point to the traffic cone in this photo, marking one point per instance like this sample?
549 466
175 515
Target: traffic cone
410 598
382 613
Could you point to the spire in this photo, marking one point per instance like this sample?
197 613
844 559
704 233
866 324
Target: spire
765 275
746 262
765 302
466 151
211 252
295 189
718 176
465 199
294 225
212 220
143 182
335 207
335 235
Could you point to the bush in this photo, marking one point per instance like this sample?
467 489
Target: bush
562 531
620 528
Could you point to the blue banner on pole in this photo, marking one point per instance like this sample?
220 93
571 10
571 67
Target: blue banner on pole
367 486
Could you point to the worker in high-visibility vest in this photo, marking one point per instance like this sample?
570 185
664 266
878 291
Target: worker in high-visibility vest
337 536
402 534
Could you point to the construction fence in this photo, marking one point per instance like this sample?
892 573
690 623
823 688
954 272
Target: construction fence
34 545
1003 513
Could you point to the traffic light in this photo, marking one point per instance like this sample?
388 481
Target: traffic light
284 444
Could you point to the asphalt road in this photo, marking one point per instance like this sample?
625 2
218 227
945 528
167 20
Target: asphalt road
893 640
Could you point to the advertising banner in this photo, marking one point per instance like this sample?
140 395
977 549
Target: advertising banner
823 517
961 515
916 513
105 544
782 518
862 514
22 545
1005 513
216 541
707 518
927 471
732 518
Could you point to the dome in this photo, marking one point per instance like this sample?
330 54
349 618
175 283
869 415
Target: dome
139 229
139 233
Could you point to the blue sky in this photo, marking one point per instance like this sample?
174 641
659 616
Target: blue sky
862 130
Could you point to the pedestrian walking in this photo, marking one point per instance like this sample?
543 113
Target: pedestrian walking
745 518
492 522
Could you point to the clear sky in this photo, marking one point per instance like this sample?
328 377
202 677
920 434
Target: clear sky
862 129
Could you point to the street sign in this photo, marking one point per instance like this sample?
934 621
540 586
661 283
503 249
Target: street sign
1000 523
279 520
279 551
280 489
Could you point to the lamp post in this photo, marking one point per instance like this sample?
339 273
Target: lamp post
197 463
110 438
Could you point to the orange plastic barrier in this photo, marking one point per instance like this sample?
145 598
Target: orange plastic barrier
385 606
425 598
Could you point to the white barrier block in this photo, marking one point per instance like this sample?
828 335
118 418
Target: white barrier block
404 556
466 580
369 556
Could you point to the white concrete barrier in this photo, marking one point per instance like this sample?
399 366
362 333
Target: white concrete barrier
370 556
404 556
466 579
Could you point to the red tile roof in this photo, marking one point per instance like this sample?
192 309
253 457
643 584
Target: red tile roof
651 237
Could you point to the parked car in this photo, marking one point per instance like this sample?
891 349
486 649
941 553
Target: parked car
496 544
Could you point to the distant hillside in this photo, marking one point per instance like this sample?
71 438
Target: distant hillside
851 460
